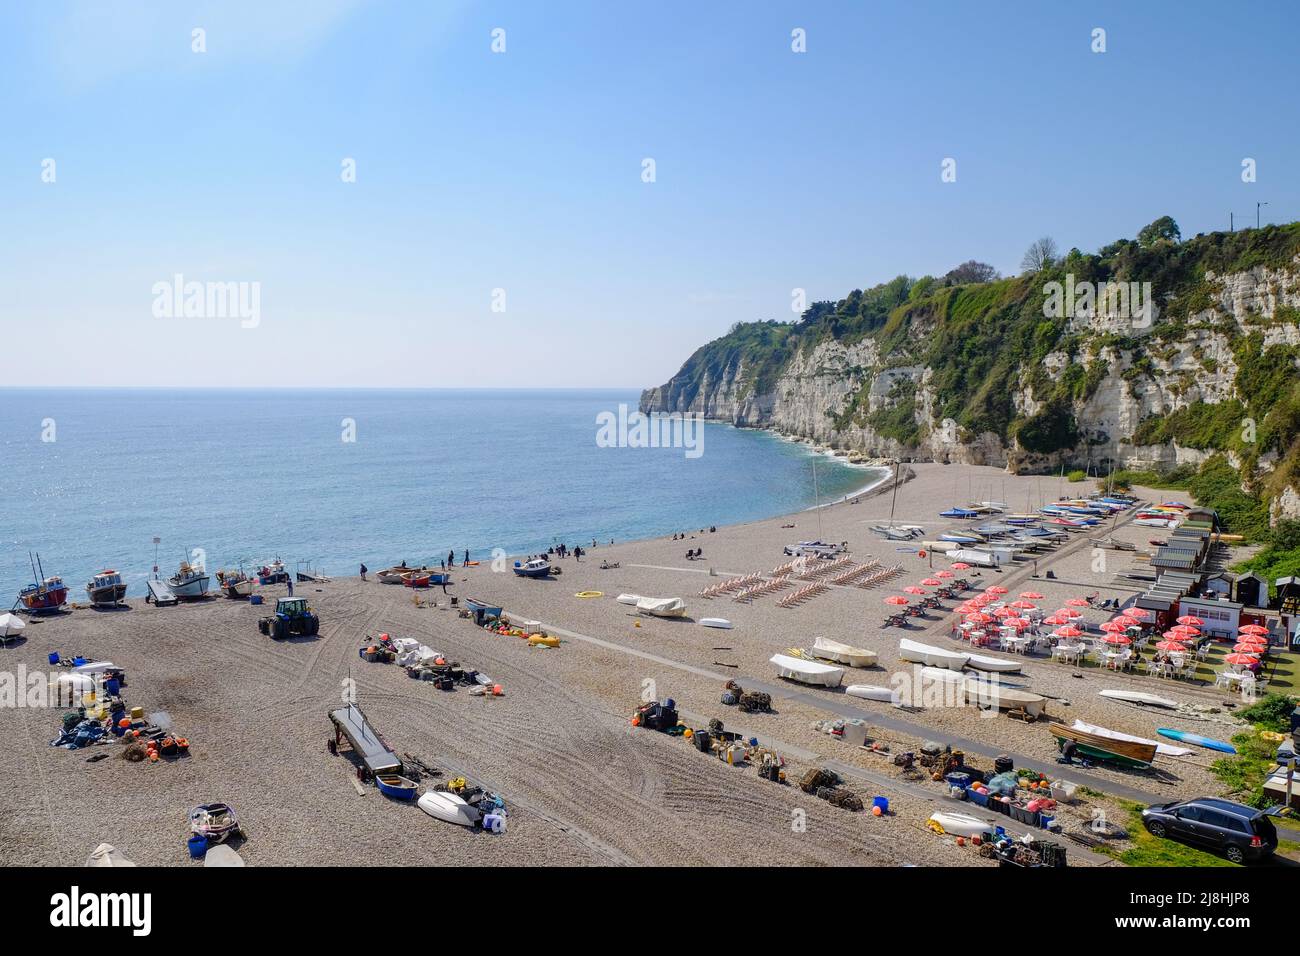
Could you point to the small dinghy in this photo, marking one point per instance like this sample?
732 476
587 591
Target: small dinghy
629 599
1138 697
888 695
399 788
1209 743
720 622
985 693
918 653
843 653
958 824
993 665
449 807
807 672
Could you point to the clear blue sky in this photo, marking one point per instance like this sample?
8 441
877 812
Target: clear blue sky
522 170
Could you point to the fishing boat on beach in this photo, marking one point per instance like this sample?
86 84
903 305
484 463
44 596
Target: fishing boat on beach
44 595
190 582
415 579
235 584
1124 753
536 568
273 572
106 589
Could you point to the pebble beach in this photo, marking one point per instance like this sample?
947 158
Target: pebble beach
583 786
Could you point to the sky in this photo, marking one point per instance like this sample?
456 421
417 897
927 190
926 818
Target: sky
500 230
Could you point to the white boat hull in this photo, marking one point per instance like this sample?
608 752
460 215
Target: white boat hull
449 807
993 665
807 672
985 693
719 622
931 656
887 695
843 653
959 824
190 588
1139 697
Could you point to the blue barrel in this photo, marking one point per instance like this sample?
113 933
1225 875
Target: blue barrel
882 802
255 599
198 846
54 657
112 687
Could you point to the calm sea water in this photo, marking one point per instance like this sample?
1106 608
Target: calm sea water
249 475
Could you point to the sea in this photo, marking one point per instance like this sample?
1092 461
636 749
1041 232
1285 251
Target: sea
329 479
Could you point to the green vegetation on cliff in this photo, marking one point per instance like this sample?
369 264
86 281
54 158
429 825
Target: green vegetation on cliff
996 361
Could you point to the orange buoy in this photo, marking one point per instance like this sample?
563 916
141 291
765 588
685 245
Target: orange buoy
124 722
961 841
497 690
636 721
876 812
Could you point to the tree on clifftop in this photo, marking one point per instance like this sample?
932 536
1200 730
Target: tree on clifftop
1040 255
1163 228
971 271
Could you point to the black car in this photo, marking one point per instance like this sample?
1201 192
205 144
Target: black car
1240 833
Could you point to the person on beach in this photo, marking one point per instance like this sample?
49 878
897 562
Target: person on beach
290 580
467 557
363 572
451 559
577 552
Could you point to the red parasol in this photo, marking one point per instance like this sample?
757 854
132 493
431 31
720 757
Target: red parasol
1117 639
932 583
1177 646
1031 595
913 589
961 566
896 600
1242 660
1114 627
1191 619
1077 602
1068 631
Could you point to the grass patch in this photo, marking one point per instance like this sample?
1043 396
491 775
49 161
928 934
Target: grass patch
1148 850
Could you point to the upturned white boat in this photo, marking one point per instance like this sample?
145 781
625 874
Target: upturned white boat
1169 750
830 650
719 622
1139 697
932 656
449 807
807 672
629 599
987 693
959 824
996 665
869 692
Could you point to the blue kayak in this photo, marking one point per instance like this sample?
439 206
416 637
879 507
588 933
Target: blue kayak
1197 739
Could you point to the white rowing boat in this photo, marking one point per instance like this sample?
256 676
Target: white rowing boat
987 693
830 650
449 807
888 695
807 672
1169 750
995 665
919 653
959 824
1139 697
720 622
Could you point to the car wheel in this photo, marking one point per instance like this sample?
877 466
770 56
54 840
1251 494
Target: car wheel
1236 855
1157 828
